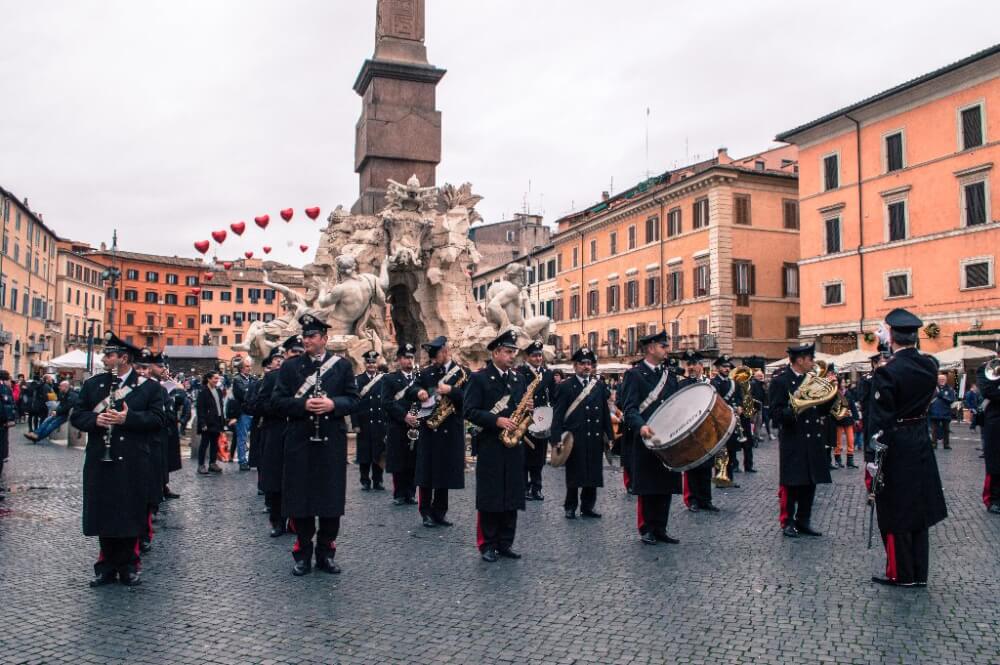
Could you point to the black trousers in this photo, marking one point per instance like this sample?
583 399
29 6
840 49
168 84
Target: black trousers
305 528
941 430
274 508
34 421
118 555
652 513
210 444
698 485
584 497
533 478
907 555
796 503
748 453
495 530
433 502
403 485
370 473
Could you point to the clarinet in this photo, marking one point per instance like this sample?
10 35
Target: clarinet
317 392
107 433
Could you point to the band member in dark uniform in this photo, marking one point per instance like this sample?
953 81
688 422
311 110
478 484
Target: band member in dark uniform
174 408
440 449
581 409
157 442
644 388
802 456
732 393
988 382
315 391
911 499
400 449
156 372
368 422
534 457
697 482
271 432
492 397
115 472
864 393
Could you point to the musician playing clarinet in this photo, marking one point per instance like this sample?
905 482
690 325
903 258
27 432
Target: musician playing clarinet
911 499
400 451
116 464
644 388
315 391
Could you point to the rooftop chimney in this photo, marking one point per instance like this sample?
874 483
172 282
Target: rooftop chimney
605 196
723 156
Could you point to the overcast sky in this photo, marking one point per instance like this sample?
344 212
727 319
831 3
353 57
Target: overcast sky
169 119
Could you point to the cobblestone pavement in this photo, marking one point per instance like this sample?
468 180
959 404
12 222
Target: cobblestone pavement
216 589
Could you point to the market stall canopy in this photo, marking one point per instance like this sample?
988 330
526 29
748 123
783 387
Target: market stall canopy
778 364
602 367
75 359
855 360
957 356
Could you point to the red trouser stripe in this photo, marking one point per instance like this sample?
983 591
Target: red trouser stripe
890 557
639 520
687 489
480 538
987 489
625 477
149 525
868 479
784 511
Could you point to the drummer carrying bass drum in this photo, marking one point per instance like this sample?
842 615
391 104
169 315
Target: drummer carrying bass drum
644 388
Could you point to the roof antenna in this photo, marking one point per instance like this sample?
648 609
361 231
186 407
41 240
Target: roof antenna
647 143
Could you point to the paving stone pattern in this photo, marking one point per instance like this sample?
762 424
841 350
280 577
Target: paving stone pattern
217 589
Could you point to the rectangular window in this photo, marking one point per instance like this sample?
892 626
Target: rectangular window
170 299
675 285
897 221
759 165
551 273
790 211
977 273
674 222
613 242
652 291
792 327
744 326
831 172
972 127
675 334
150 320
559 262
894 152
151 297
790 280
226 296
744 281
190 323
897 285
593 302
593 250
699 213
206 295
129 319
172 278
631 294
833 294
576 257
170 321
741 207
614 298
131 295
652 229
630 341
631 237
833 235
574 343
152 277
975 203
131 273
239 294
702 281
557 310
574 306
592 340
191 301
613 342
191 280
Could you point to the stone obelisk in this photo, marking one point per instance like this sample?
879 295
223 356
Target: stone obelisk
399 132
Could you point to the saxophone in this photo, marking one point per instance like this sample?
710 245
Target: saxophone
521 416
445 407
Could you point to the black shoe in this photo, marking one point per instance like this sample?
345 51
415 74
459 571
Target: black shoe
947 446
536 495
664 538
751 470
994 508
366 485
648 539
489 555
884 581
31 436
712 508
130 578
590 513
694 508
167 494
145 546
301 568
277 531
570 514
327 565
509 553
807 530
789 532
442 522
399 501
378 487
851 464
244 466
528 497
102 579
429 522
736 469
410 501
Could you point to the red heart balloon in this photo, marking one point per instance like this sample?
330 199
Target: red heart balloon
261 221
286 214
207 277
219 236
267 249
238 227
303 248
249 255
312 213
227 264
196 290
202 246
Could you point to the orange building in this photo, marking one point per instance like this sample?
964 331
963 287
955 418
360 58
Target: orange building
707 252
154 303
925 154
80 305
233 299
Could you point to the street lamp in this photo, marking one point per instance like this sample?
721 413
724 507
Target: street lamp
90 345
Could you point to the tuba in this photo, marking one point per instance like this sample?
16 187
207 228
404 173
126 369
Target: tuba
742 375
815 389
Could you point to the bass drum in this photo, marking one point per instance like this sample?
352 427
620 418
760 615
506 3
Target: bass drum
541 422
690 427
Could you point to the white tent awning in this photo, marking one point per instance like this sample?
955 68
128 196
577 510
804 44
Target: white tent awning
957 356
